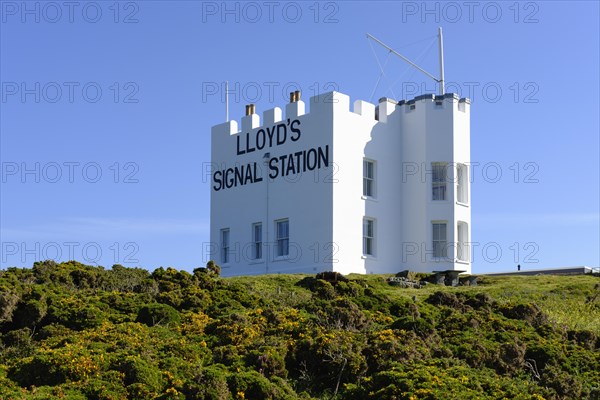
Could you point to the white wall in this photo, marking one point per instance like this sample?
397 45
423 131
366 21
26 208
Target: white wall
303 198
352 130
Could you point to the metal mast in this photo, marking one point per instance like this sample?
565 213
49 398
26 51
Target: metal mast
226 101
441 46
441 54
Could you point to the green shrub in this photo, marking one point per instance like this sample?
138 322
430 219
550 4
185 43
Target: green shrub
158 314
566 386
213 268
324 290
447 299
97 389
530 313
75 313
29 313
18 343
252 385
267 361
209 383
139 371
39 370
8 302
331 277
585 338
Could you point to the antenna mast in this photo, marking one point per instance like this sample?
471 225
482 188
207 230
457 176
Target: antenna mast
441 53
226 101
441 45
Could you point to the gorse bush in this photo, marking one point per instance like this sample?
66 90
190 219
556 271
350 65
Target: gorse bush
69 330
158 314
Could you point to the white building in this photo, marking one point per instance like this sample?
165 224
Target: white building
367 189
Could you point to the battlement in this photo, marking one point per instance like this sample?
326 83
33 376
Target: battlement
387 106
326 102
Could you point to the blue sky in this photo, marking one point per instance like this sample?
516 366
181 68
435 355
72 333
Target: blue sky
107 106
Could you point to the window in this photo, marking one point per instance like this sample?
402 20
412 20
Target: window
368 178
438 181
368 237
439 240
225 246
462 246
462 180
257 241
283 237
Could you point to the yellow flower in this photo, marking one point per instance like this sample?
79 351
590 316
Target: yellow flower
172 391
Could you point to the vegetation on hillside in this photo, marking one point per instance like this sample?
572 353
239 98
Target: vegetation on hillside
79 332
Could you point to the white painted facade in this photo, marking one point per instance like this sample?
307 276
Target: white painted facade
416 223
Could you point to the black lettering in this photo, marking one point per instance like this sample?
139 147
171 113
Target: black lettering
217 179
248 178
249 149
256 177
290 166
228 182
273 167
304 161
261 139
270 133
298 163
295 130
280 138
324 156
239 152
239 175
311 164
282 159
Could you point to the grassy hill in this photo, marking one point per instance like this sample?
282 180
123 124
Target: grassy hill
73 331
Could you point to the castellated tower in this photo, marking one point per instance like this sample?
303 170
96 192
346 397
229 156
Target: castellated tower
364 189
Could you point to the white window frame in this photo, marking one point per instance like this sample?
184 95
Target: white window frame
225 245
368 235
439 181
282 239
369 180
257 241
439 242
462 183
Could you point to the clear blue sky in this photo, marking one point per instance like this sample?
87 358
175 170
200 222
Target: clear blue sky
109 107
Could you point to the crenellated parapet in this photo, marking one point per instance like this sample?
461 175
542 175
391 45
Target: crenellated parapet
327 101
